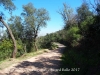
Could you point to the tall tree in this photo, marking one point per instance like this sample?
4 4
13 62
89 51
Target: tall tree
34 20
83 14
8 4
67 15
13 38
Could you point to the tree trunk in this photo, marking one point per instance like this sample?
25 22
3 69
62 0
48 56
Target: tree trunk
13 39
35 46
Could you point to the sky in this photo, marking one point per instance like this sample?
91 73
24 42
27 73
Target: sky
52 6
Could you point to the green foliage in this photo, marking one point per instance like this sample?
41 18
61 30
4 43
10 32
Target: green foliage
73 36
67 15
46 41
85 25
20 48
83 12
15 24
53 46
6 48
34 20
8 4
86 55
83 59
68 63
26 28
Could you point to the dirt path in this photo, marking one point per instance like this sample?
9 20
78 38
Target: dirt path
43 64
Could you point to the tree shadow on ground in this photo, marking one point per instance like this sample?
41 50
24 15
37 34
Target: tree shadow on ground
42 66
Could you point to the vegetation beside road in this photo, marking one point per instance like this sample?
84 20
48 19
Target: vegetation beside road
80 35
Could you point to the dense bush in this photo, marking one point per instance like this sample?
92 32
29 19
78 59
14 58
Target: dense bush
73 36
53 46
6 48
20 48
86 55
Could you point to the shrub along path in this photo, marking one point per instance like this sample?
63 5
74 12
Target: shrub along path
43 64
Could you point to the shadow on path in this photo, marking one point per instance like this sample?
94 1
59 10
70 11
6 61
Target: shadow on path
44 65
